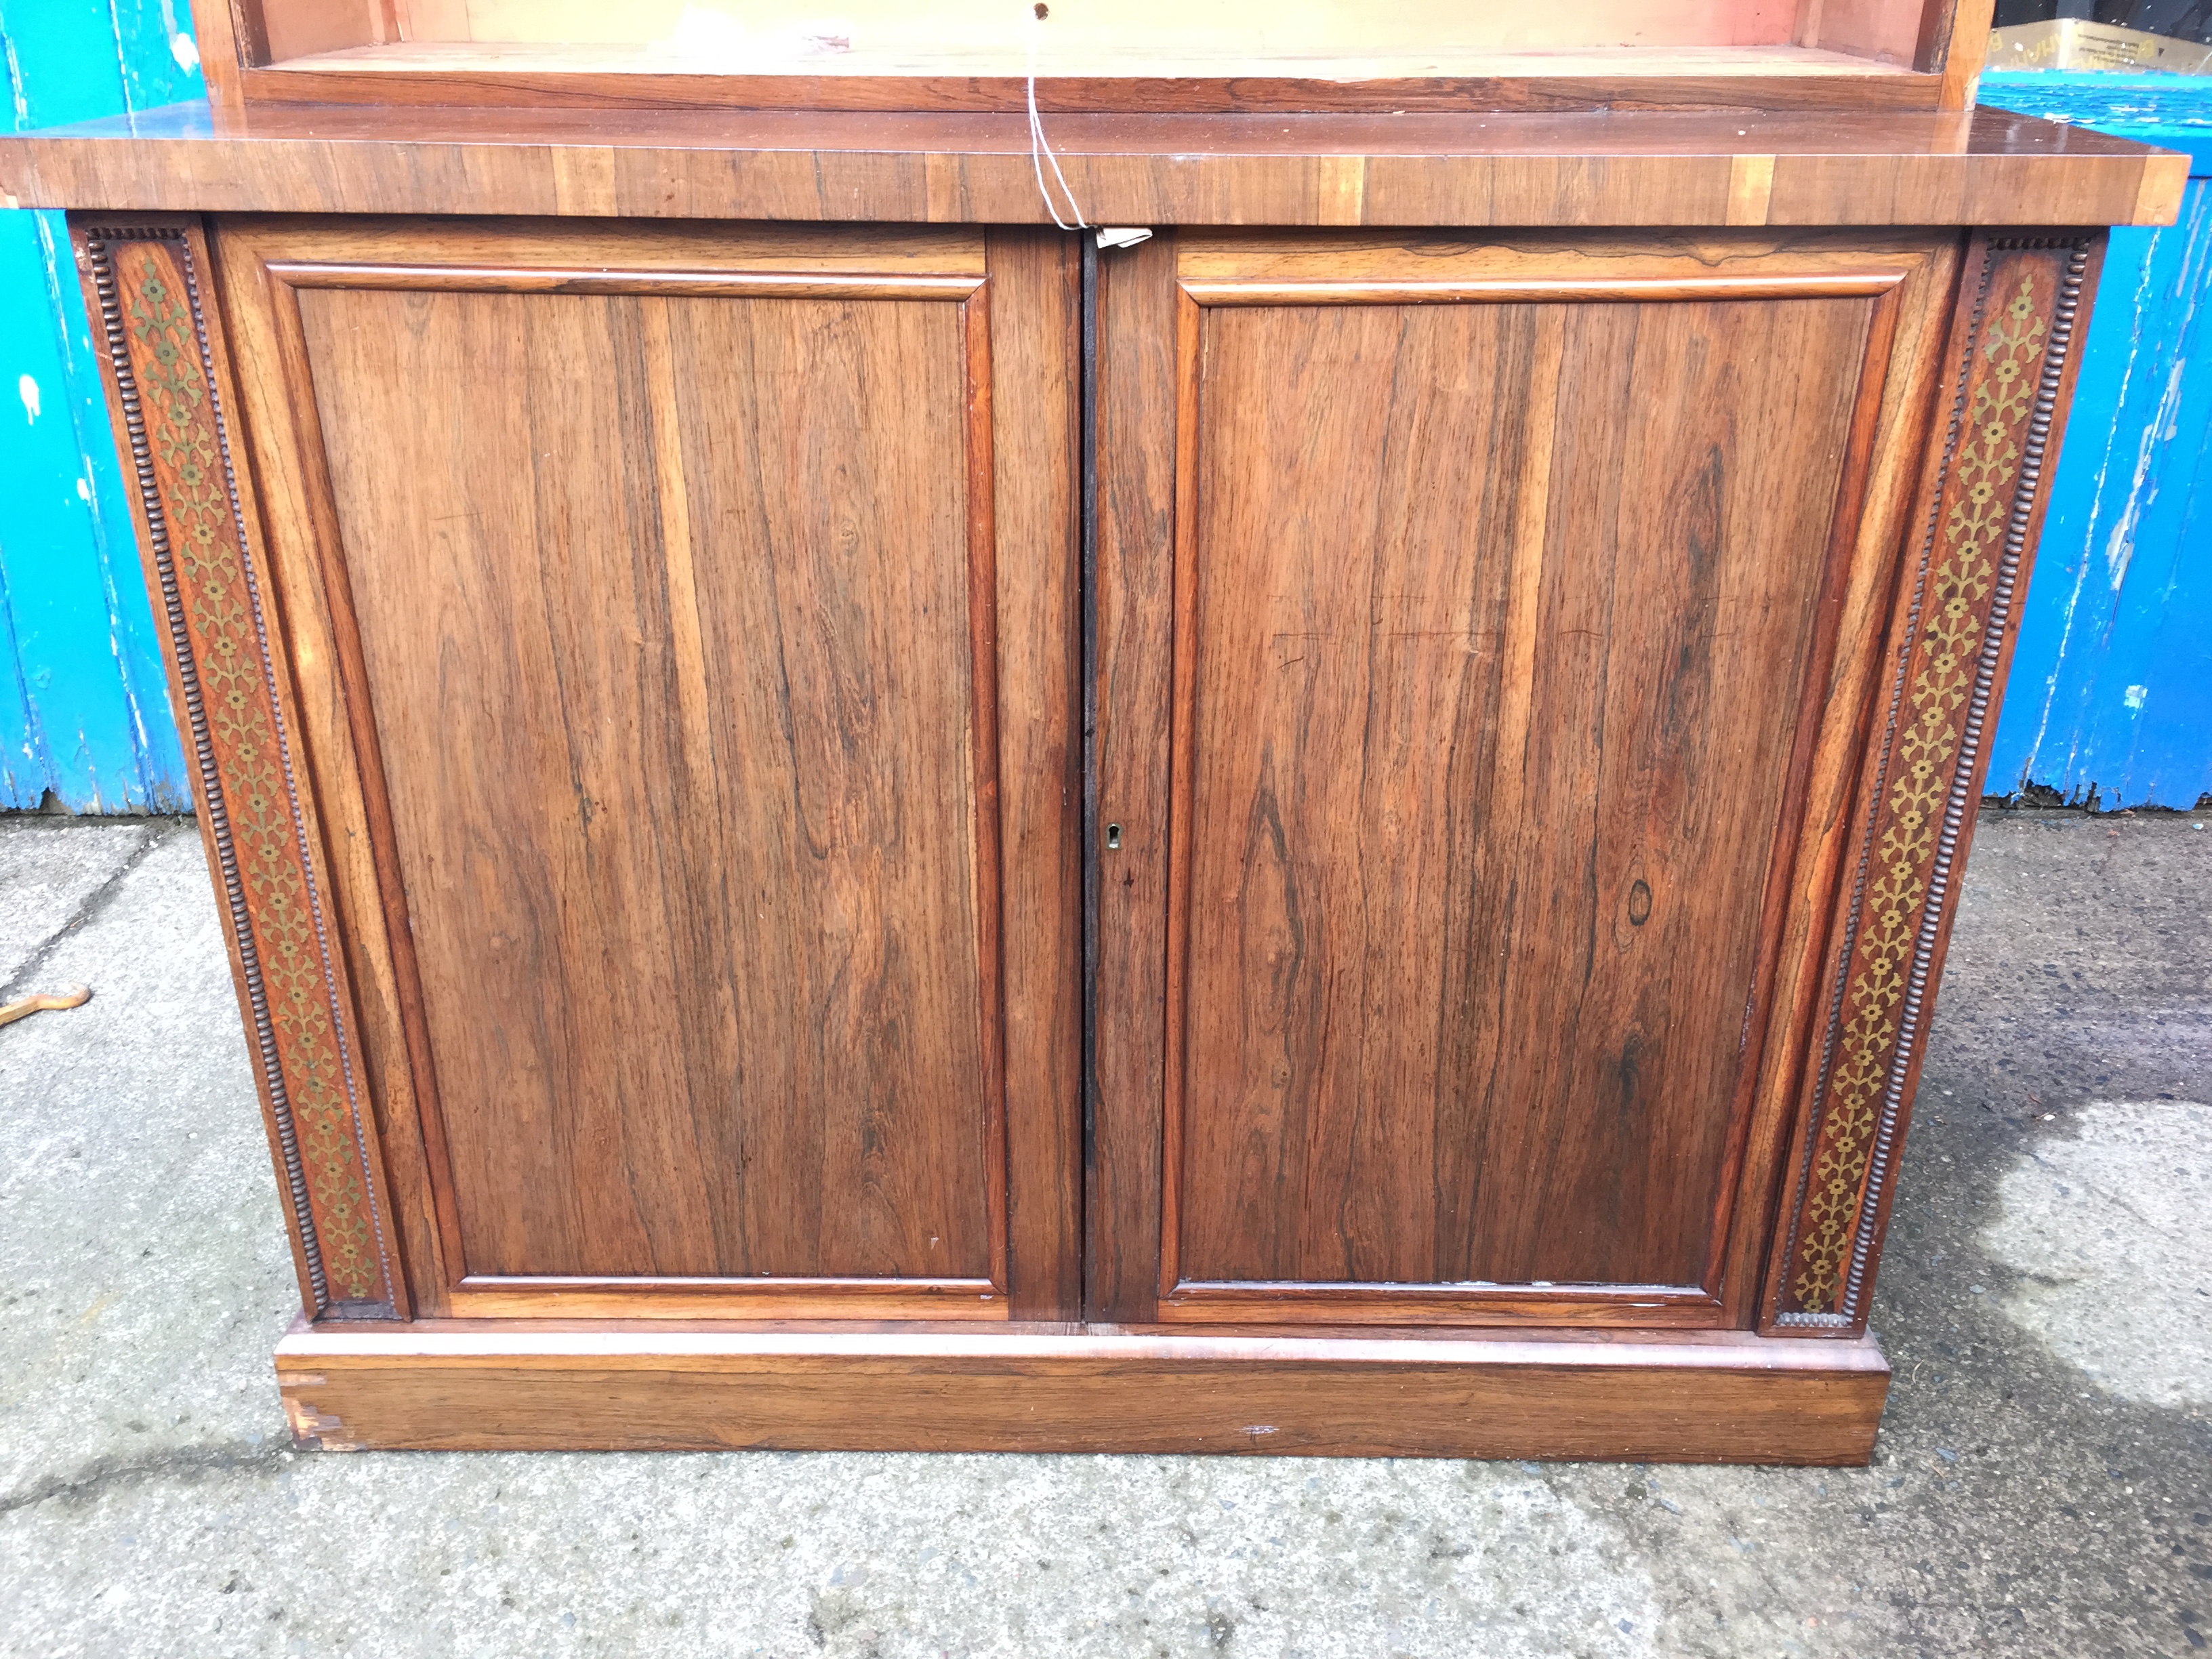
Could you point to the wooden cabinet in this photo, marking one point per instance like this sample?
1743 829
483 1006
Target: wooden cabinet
848 820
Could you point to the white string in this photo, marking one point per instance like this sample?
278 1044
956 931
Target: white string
1040 150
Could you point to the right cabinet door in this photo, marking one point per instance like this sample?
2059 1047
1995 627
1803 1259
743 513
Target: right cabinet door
1485 639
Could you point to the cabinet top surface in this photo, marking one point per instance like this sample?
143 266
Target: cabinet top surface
1684 169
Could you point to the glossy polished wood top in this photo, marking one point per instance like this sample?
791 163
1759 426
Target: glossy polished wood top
1986 167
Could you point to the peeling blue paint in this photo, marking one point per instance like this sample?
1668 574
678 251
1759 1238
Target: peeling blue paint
84 710
2110 697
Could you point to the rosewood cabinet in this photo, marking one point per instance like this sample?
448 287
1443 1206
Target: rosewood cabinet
849 820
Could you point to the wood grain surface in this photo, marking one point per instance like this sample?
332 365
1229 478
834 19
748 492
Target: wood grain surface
1036 281
1157 27
1509 639
1131 684
664 617
1751 80
1726 1399
1500 615
677 626
1623 167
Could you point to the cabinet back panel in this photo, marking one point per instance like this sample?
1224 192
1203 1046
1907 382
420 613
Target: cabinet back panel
1493 641
664 612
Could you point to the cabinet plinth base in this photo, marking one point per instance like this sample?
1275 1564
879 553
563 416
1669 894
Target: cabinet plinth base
1723 1397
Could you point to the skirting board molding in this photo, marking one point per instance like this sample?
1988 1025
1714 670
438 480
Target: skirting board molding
1701 1397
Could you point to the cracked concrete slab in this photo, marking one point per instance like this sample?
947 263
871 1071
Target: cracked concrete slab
1099 1557
2020 1505
137 1197
52 866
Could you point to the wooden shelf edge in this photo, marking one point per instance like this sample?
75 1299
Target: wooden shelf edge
1431 172
1727 1397
1900 91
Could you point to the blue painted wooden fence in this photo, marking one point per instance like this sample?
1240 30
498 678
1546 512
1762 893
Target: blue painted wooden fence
84 709
2111 699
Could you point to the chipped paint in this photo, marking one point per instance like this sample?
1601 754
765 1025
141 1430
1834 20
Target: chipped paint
2111 703
18 98
84 713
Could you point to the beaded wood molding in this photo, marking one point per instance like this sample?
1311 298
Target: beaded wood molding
2012 337
169 390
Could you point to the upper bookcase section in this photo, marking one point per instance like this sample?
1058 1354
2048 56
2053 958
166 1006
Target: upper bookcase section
1101 55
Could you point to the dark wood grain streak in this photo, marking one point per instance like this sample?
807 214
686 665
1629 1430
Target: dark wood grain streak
987 878
1182 762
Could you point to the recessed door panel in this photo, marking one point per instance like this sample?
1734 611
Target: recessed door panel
1501 615
666 624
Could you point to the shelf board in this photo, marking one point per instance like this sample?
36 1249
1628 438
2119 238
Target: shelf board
1125 78
1116 63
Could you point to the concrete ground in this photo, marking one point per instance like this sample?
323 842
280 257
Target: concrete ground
2043 1484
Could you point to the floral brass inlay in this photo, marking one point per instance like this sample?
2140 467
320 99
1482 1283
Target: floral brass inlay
185 473
1933 733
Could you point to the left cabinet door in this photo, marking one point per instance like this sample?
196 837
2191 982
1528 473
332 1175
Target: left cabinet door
682 622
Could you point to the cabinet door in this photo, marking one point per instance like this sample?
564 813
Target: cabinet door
1485 635
684 621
